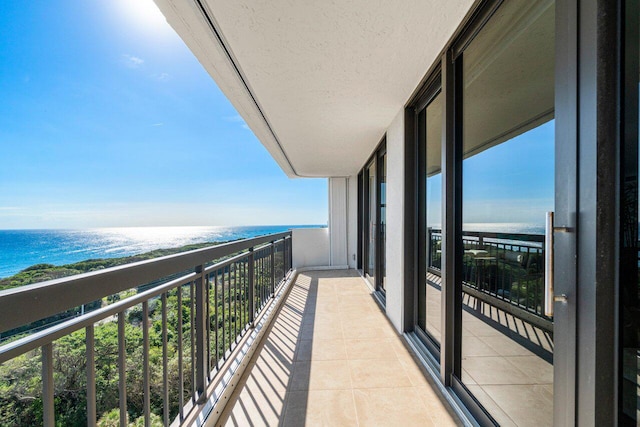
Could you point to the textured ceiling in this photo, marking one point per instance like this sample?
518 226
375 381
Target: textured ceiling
326 78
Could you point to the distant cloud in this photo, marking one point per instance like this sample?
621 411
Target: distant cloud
132 61
237 119
157 124
162 77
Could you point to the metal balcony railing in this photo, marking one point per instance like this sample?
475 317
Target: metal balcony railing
505 270
164 330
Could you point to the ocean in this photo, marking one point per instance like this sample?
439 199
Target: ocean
20 249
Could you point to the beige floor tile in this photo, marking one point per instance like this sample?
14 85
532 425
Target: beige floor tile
358 301
372 348
391 407
329 307
319 349
252 407
273 375
347 289
378 373
321 375
281 347
320 408
323 320
322 331
374 317
364 331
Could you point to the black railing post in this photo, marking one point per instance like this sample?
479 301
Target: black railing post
201 333
273 270
252 300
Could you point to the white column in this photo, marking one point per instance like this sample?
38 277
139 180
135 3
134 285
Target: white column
395 222
352 221
338 222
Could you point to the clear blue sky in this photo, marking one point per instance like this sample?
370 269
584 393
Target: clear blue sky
107 119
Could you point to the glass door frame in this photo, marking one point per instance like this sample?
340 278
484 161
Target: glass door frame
381 165
367 221
433 88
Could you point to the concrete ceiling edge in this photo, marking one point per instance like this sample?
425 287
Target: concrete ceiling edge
189 23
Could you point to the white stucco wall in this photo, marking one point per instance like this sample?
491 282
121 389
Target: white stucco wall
352 220
310 247
395 221
338 221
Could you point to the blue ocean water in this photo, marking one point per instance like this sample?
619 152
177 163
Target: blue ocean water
20 249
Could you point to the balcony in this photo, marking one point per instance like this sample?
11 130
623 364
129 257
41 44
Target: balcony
232 335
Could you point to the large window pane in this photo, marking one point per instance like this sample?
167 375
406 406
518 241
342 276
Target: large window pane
508 185
429 299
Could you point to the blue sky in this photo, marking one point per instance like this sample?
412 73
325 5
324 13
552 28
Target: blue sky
107 119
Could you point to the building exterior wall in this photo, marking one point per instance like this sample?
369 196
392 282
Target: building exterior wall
310 247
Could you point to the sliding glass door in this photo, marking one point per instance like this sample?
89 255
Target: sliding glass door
371 221
382 217
429 283
374 217
508 144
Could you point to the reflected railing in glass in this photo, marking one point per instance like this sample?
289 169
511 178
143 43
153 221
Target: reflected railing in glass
505 267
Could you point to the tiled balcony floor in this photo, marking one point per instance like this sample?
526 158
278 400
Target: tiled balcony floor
333 359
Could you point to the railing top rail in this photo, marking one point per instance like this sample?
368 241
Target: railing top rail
523 237
18 305
40 338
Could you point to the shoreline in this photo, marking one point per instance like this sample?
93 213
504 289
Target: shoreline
44 271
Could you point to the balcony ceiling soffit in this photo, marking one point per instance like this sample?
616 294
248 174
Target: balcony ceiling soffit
329 76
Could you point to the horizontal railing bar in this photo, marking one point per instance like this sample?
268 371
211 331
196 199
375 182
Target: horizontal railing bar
524 237
80 289
38 339
227 262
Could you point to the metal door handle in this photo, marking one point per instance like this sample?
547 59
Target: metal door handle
549 297
548 265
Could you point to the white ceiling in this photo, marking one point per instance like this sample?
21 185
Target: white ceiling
318 82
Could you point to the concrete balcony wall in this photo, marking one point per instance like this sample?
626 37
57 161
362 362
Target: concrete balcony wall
310 247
